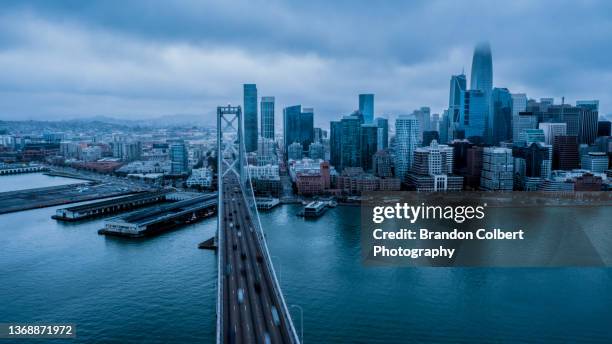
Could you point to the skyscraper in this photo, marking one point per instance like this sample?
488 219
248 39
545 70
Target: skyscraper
531 165
423 115
497 169
366 107
482 79
307 127
350 146
595 162
369 144
530 136
250 117
444 127
474 113
604 128
335 143
406 139
298 126
267 117
500 123
552 130
588 120
291 125
428 136
525 120
457 87
482 69
519 104
383 132
565 152
179 158
316 151
432 169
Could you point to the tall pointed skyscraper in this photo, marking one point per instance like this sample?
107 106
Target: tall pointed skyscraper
482 80
482 69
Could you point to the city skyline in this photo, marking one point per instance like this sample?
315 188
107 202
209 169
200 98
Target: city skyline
62 62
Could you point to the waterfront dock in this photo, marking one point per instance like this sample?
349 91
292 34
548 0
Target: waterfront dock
266 203
20 200
112 206
160 218
18 169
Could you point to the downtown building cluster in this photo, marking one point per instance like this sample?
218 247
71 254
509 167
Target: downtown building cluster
487 139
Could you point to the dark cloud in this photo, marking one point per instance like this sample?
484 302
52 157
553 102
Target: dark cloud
149 58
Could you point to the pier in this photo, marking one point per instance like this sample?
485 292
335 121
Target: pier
266 203
108 207
160 218
9 169
20 200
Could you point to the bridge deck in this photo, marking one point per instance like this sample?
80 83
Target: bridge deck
251 308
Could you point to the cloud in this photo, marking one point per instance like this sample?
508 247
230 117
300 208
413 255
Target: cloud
139 58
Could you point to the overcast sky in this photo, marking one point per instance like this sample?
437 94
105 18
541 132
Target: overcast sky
137 59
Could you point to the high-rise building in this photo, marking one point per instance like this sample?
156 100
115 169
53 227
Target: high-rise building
473 168
350 146
295 151
382 164
406 140
250 117
267 117
423 115
529 136
565 152
595 162
481 79
291 125
432 168
335 143
500 123
581 120
368 144
444 127
316 151
588 120
457 87
383 132
460 152
179 158
435 122
497 169
298 126
307 127
524 121
519 104
482 69
552 130
604 128
428 136
531 165
474 113
266 152
366 107
319 135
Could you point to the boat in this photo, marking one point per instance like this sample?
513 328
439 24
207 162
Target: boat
314 209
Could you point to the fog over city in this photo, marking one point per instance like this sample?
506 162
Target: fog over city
142 59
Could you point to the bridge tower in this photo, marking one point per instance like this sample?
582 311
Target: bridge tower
230 145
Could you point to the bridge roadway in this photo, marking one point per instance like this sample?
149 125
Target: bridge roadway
252 311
